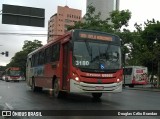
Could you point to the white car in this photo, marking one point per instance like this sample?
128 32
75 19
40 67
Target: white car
3 77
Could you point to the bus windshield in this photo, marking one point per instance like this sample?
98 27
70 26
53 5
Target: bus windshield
99 56
14 73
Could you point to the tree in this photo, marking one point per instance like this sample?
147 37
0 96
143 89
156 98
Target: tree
20 58
151 35
120 18
113 24
30 46
92 21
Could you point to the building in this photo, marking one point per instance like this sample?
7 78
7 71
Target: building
59 22
104 6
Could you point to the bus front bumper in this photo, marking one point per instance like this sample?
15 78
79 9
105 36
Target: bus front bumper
80 87
14 79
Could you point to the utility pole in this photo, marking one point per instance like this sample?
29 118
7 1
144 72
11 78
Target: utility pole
158 77
158 80
124 64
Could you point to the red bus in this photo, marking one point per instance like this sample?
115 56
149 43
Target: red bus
78 62
13 74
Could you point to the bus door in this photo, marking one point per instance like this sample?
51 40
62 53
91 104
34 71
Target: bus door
65 70
128 75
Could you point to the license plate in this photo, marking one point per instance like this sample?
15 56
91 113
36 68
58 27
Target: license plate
99 87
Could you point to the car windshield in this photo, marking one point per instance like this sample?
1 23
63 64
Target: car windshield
96 55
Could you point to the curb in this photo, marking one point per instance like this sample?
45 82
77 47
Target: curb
143 89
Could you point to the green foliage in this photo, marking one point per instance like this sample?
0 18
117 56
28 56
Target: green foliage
142 46
19 59
149 45
2 68
92 21
30 46
113 24
120 18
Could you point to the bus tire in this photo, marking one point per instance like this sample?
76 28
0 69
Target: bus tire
7 80
96 95
124 85
35 88
131 86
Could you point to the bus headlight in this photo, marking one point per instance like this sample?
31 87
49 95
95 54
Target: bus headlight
77 79
118 80
75 76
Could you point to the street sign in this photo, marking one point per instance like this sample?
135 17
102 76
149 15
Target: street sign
21 15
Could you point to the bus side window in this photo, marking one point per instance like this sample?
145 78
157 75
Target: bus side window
47 55
29 62
36 59
41 58
55 52
33 61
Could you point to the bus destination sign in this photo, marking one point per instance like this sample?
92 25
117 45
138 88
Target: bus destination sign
14 68
95 36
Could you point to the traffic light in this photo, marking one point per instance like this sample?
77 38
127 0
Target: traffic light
6 54
2 53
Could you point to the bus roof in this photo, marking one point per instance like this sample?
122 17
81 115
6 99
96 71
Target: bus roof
50 43
59 39
95 31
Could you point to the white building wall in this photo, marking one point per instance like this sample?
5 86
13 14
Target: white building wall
104 6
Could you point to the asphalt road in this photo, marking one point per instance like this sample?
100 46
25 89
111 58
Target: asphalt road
18 96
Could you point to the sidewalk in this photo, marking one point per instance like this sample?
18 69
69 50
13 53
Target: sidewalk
144 88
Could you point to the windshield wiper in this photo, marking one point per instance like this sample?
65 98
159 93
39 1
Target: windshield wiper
106 51
89 49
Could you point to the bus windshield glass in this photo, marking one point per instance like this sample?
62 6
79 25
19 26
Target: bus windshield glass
14 73
94 55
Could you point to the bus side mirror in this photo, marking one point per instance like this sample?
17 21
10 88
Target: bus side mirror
121 42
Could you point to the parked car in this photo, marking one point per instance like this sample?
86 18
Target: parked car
3 77
1 74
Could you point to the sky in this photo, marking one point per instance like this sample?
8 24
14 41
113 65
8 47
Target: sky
141 11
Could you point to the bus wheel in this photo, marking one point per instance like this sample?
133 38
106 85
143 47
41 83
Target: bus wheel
56 90
33 87
96 95
6 79
131 86
123 85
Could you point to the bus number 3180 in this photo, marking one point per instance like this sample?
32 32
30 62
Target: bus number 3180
82 63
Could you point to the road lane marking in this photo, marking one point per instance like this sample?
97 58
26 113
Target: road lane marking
9 106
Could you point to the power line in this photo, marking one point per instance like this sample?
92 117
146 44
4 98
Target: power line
27 34
24 34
